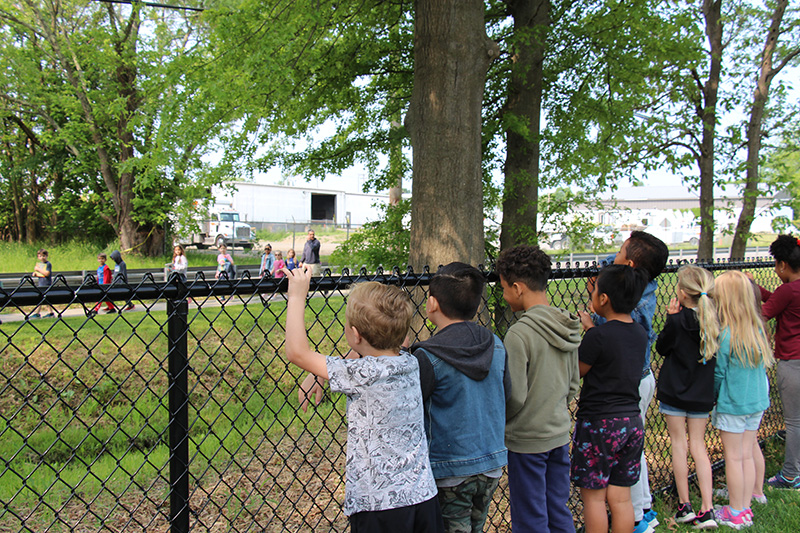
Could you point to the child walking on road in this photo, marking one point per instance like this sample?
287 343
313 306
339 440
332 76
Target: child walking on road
43 271
103 278
688 343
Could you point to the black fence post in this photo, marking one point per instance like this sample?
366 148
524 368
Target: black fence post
178 364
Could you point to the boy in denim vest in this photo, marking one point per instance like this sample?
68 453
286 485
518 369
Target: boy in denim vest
464 379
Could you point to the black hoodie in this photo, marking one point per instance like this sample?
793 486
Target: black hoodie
683 381
121 269
468 347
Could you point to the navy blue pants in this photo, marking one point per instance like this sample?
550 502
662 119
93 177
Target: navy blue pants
539 488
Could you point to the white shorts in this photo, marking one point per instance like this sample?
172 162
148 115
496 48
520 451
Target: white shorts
736 423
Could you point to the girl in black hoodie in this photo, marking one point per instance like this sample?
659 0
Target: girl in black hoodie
688 343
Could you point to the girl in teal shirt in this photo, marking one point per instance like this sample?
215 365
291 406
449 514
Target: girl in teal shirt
742 390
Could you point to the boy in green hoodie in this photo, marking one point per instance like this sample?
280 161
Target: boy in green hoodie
542 351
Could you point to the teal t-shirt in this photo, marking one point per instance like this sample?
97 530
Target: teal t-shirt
740 389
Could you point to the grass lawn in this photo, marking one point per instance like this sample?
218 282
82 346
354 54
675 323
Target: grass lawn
19 257
85 417
781 514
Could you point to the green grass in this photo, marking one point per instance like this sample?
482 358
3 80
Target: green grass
20 257
85 427
272 236
780 515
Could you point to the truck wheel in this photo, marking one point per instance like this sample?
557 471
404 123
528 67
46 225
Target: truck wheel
247 246
694 241
219 241
201 246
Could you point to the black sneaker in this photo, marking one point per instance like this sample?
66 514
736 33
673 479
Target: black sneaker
705 520
685 513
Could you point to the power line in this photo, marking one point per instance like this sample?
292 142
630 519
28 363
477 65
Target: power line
150 4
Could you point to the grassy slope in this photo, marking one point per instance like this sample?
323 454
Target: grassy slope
100 422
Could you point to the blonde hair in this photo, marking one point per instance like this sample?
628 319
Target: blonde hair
381 314
737 310
278 254
698 284
179 247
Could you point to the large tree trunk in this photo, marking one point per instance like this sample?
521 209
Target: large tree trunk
521 188
760 96
712 13
451 56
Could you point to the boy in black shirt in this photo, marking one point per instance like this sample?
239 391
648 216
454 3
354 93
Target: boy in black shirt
609 433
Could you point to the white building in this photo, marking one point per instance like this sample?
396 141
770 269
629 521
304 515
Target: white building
669 212
275 205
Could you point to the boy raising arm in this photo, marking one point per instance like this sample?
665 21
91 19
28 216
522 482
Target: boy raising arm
389 486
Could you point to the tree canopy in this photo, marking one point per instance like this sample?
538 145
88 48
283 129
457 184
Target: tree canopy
111 112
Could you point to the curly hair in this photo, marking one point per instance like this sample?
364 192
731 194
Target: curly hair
786 248
526 264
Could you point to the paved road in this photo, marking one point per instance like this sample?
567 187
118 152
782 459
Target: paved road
150 307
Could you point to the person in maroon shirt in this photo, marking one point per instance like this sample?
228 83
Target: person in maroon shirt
784 306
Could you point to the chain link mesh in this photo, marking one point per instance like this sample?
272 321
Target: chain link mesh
184 412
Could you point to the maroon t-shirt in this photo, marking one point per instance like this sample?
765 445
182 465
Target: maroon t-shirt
784 306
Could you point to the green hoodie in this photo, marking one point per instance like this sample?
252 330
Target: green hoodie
542 349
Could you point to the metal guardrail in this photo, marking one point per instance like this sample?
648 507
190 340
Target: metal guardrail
183 413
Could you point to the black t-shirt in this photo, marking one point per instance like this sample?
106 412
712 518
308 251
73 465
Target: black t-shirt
615 351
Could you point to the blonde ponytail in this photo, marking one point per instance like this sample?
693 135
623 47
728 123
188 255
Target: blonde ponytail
698 284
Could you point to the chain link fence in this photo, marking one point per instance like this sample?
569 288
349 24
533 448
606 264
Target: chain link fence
182 412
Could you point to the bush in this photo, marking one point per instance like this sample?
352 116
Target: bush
385 242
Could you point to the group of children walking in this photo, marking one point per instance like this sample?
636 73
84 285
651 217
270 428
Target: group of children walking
43 272
431 426
105 276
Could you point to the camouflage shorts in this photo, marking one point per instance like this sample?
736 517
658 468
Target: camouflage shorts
464 507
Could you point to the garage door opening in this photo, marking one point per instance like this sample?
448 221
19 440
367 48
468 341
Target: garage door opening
323 207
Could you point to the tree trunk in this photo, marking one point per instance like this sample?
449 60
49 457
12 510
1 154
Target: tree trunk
32 209
396 167
760 96
712 10
521 187
451 56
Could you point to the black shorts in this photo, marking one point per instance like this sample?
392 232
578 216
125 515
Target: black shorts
420 518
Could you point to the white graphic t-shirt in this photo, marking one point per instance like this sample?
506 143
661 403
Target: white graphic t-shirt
387 452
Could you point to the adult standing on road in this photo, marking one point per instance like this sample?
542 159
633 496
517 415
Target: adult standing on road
311 252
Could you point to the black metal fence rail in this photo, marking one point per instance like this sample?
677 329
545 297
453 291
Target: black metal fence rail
183 413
